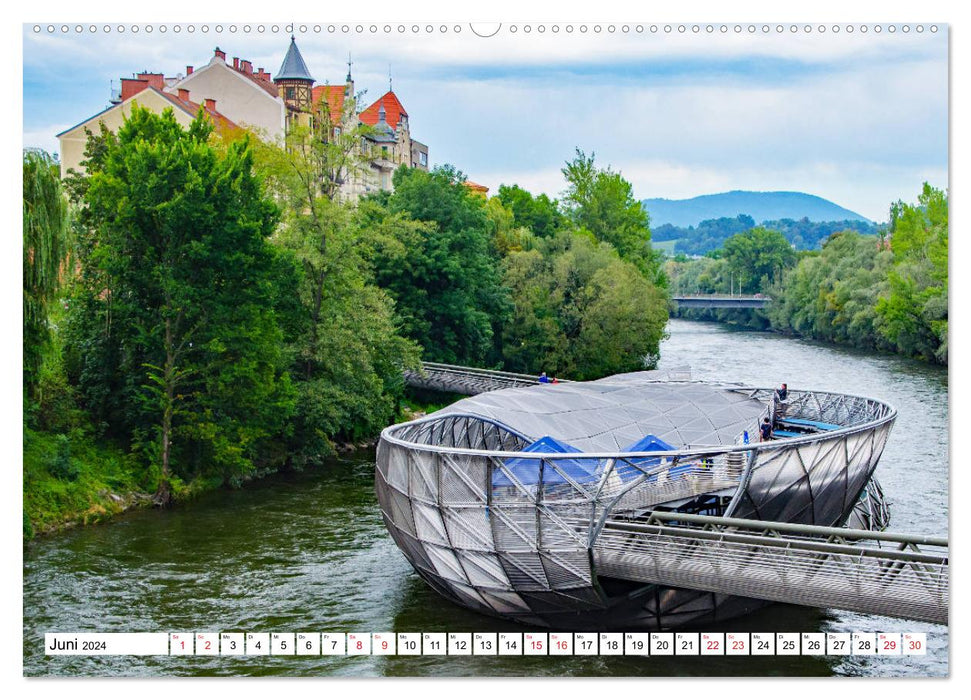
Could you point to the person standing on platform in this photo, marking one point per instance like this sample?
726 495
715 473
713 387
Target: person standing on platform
765 430
543 379
781 394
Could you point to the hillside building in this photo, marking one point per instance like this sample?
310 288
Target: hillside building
269 106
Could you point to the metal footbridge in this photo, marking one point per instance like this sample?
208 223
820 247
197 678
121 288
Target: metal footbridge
465 380
879 573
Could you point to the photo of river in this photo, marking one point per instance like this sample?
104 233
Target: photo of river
309 551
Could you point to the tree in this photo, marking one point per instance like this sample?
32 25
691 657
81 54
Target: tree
757 254
177 299
602 202
445 280
45 251
580 311
347 351
539 214
914 313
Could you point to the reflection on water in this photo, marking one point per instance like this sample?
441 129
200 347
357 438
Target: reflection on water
302 552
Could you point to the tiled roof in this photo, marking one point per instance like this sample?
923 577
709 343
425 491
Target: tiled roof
265 84
293 67
334 95
220 121
392 107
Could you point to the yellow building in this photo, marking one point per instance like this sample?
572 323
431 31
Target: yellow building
268 106
144 91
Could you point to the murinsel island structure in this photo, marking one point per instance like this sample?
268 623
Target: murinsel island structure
635 502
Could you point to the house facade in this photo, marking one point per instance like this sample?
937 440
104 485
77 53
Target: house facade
238 96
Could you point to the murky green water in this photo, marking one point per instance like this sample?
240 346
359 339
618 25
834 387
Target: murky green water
309 552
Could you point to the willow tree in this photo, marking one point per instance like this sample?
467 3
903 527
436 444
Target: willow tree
45 253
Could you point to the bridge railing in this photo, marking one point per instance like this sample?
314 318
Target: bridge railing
892 574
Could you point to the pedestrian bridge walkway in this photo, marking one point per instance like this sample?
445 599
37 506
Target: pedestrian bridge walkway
465 380
879 573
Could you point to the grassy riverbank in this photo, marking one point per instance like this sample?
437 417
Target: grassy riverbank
71 480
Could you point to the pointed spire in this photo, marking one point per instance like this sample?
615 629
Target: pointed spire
382 115
348 66
294 67
389 78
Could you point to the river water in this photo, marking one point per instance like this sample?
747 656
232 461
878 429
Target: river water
309 552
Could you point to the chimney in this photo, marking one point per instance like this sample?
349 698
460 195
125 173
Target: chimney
188 70
210 104
131 87
183 94
155 80
235 62
247 67
220 54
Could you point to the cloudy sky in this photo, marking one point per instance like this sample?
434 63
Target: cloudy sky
858 118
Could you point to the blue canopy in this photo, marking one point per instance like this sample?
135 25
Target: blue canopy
648 443
527 470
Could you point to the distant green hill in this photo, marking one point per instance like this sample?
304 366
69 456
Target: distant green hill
761 206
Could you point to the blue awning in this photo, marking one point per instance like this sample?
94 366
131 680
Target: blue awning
527 471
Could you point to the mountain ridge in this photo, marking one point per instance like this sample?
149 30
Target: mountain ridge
761 206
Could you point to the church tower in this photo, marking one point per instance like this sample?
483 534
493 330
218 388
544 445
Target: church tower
295 84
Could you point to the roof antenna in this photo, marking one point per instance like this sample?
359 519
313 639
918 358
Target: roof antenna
389 78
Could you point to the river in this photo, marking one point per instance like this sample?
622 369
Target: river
309 552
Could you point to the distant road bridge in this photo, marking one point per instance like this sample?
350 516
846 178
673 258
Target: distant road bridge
721 301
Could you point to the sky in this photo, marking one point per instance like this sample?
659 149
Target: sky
857 118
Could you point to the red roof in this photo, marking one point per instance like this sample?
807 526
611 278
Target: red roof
392 107
263 82
334 95
219 120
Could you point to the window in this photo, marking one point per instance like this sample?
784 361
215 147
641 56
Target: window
384 151
291 93
337 132
423 159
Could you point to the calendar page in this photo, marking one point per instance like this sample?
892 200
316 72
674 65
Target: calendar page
517 348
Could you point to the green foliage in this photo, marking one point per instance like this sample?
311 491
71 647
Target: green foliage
445 278
347 352
711 234
177 345
757 255
539 214
45 251
73 478
602 202
833 295
580 311
913 316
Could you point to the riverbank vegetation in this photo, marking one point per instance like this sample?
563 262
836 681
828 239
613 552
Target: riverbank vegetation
201 310
884 292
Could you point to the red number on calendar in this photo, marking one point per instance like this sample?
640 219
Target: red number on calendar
889 644
384 645
360 645
208 646
183 644
737 645
914 645
562 645
712 645
537 644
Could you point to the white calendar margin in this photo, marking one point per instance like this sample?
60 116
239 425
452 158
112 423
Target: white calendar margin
11 651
